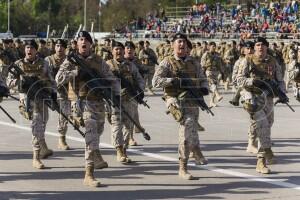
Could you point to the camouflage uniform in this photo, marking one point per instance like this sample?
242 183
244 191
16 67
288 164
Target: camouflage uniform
163 77
6 58
62 97
149 59
38 112
229 59
259 107
120 137
211 64
105 52
86 108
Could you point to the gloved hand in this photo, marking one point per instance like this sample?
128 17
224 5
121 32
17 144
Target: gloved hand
140 96
172 102
83 75
176 82
259 83
204 91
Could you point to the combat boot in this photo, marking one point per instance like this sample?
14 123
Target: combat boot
99 163
199 158
261 166
36 162
120 154
200 128
183 173
132 142
218 97
89 179
128 160
252 148
44 152
62 144
270 158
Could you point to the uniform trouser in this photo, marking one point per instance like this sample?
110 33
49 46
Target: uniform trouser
212 77
136 117
149 76
93 117
121 126
188 131
65 106
38 124
261 122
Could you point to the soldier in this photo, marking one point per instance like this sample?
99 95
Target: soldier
246 50
129 55
229 60
211 63
51 46
254 71
292 61
19 49
160 52
294 75
149 59
122 127
166 77
140 46
105 51
168 49
34 66
3 89
6 58
54 61
86 108
43 51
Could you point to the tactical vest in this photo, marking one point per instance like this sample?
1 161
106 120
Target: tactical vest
212 62
77 88
189 67
56 62
34 69
262 70
124 69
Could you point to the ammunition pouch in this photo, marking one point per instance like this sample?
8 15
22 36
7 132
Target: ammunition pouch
176 113
24 112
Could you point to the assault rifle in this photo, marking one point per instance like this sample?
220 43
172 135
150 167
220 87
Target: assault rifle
101 87
4 92
195 93
271 88
35 89
133 90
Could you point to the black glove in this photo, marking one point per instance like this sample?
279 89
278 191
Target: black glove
176 82
140 96
204 91
259 83
3 91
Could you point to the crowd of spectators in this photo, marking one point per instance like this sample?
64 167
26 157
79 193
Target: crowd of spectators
279 19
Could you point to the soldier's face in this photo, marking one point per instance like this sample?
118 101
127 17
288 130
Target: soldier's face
212 48
30 52
260 49
59 49
180 47
83 45
247 51
118 53
129 52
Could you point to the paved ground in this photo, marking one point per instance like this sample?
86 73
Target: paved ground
229 175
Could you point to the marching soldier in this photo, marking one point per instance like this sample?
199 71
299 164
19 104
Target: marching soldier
54 61
129 55
149 59
166 76
43 51
6 58
211 63
86 108
122 67
34 67
254 71
105 50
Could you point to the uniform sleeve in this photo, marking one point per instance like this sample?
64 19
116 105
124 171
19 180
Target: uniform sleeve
65 73
107 73
243 74
48 75
12 81
161 78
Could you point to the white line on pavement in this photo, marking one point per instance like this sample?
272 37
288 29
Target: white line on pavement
170 159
